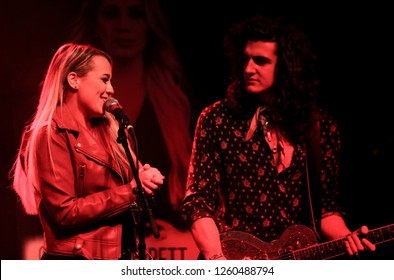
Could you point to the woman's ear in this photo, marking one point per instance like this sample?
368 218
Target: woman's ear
73 80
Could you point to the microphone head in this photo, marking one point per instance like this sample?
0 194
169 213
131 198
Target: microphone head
110 104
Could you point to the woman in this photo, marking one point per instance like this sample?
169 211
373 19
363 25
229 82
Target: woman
149 82
70 170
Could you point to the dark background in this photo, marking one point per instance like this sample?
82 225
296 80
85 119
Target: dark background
355 54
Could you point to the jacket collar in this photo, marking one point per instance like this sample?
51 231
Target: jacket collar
85 143
65 120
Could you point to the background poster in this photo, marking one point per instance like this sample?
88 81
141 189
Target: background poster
355 58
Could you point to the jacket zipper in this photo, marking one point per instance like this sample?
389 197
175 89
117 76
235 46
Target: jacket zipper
104 163
82 170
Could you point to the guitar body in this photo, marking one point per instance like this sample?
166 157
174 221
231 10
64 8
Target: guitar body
238 245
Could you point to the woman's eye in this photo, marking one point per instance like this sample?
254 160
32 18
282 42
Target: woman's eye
136 12
113 12
110 12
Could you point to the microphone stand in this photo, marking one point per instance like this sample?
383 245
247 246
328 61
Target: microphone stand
142 204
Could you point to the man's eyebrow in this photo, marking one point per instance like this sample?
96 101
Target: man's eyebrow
260 58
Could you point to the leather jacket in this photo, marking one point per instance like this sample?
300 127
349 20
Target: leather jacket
82 196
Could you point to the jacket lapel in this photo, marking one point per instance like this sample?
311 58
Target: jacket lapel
83 141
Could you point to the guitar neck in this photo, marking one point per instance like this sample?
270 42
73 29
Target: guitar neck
337 247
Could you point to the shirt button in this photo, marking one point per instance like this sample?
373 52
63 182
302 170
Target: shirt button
79 145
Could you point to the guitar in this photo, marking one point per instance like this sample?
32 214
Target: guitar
297 242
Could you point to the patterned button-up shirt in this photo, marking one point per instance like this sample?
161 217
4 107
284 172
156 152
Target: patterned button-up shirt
233 178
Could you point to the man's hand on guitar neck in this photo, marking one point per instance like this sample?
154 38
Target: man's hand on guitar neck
333 227
354 244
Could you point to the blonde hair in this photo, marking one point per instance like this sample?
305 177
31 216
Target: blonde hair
163 80
68 58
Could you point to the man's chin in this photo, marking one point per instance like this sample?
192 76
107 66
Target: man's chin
253 90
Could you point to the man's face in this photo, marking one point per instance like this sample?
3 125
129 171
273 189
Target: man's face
259 66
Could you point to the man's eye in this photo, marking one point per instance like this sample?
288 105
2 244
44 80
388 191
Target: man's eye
260 60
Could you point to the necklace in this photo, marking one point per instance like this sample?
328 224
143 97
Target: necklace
281 149
272 139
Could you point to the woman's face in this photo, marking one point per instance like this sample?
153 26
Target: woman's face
122 27
95 88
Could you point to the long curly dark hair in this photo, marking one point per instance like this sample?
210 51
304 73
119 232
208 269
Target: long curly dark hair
296 83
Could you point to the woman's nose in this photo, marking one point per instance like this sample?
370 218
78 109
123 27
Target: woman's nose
110 89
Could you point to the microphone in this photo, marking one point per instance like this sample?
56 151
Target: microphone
112 106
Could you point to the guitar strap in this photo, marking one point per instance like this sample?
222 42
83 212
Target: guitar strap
313 174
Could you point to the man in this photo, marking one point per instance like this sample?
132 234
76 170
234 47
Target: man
248 170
